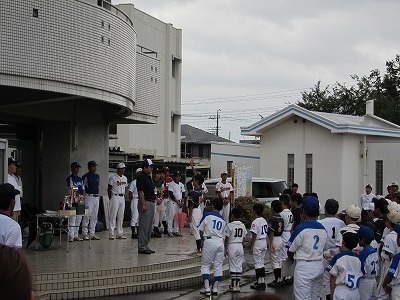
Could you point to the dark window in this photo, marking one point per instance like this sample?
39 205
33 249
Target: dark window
112 129
309 173
229 165
379 177
290 170
35 13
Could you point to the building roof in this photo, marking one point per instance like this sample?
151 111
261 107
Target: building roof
336 123
190 134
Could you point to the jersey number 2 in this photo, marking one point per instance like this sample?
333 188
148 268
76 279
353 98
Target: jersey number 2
316 239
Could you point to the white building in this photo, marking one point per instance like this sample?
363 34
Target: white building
160 44
330 154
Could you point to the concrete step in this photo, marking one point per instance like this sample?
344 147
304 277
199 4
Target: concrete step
170 282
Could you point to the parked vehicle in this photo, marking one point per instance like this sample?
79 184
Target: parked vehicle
264 189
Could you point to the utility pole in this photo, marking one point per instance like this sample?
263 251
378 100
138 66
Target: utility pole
218 110
216 117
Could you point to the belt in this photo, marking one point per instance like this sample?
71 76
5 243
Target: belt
235 243
121 195
261 239
212 237
93 195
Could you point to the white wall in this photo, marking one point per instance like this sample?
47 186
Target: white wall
166 40
244 154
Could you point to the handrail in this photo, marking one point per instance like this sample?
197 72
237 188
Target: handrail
107 5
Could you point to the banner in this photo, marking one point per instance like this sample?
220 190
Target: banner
243 180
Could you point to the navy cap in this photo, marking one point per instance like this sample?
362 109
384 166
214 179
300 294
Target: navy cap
310 203
8 192
396 228
11 161
366 233
75 165
176 173
147 163
91 163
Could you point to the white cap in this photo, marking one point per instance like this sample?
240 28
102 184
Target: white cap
393 206
353 211
121 166
138 170
394 216
224 172
395 183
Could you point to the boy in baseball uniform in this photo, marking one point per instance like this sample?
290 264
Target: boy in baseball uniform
134 197
275 230
211 229
369 264
176 190
345 270
332 226
306 246
391 282
353 215
258 247
234 238
286 214
224 192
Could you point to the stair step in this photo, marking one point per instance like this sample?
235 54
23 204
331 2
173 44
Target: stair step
174 282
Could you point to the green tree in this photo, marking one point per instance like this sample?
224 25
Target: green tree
342 99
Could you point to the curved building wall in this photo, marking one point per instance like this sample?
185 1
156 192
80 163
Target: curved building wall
68 46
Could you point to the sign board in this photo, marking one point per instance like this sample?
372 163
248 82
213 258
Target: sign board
243 181
106 206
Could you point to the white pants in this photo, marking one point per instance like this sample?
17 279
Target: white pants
259 249
285 239
134 212
93 204
117 209
368 289
326 279
236 256
381 294
395 294
172 221
196 218
342 292
276 261
226 209
213 252
308 279
76 222
159 214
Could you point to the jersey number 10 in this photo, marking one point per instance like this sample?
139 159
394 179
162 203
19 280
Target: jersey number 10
217 224
238 232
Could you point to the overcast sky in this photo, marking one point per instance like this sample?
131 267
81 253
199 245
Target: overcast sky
251 58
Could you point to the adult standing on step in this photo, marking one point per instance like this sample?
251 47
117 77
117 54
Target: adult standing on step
91 181
147 199
224 192
116 192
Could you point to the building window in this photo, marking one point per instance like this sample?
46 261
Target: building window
229 165
309 173
379 177
35 13
290 170
172 124
112 129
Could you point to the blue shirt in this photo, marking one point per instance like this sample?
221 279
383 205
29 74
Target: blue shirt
91 182
75 180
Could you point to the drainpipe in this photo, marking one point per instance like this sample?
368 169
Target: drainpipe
365 160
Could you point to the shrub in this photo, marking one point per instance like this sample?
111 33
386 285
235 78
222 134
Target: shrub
246 205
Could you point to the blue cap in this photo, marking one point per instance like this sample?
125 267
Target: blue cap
366 233
310 203
396 228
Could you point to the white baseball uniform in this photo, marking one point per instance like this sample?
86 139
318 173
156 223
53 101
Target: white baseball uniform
287 216
12 180
10 232
259 227
339 236
177 189
370 267
134 204
212 225
235 232
308 242
276 225
332 226
394 271
117 202
196 197
225 189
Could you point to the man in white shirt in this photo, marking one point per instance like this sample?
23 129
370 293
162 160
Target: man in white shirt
12 168
366 199
10 231
224 192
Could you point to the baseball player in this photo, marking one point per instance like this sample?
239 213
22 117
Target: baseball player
190 186
160 209
389 250
306 246
369 264
91 182
167 179
234 239
353 215
258 247
391 282
332 226
11 179
276 225
211 229
134 197
287 216
195 197
116 192
176 190
295 208
366 199
345 270
224 191
74 180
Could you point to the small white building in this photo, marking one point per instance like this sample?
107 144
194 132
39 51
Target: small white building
331 154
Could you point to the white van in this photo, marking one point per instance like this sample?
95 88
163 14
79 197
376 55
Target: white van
264 189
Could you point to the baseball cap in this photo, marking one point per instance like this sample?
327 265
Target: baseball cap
176 173
353 211
310 203
394 216
7 192
369 185
11 161
224 172
165 168
121 166
75 165
138 170
394 183
393 206
156 171
91 163
147 163
366 233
